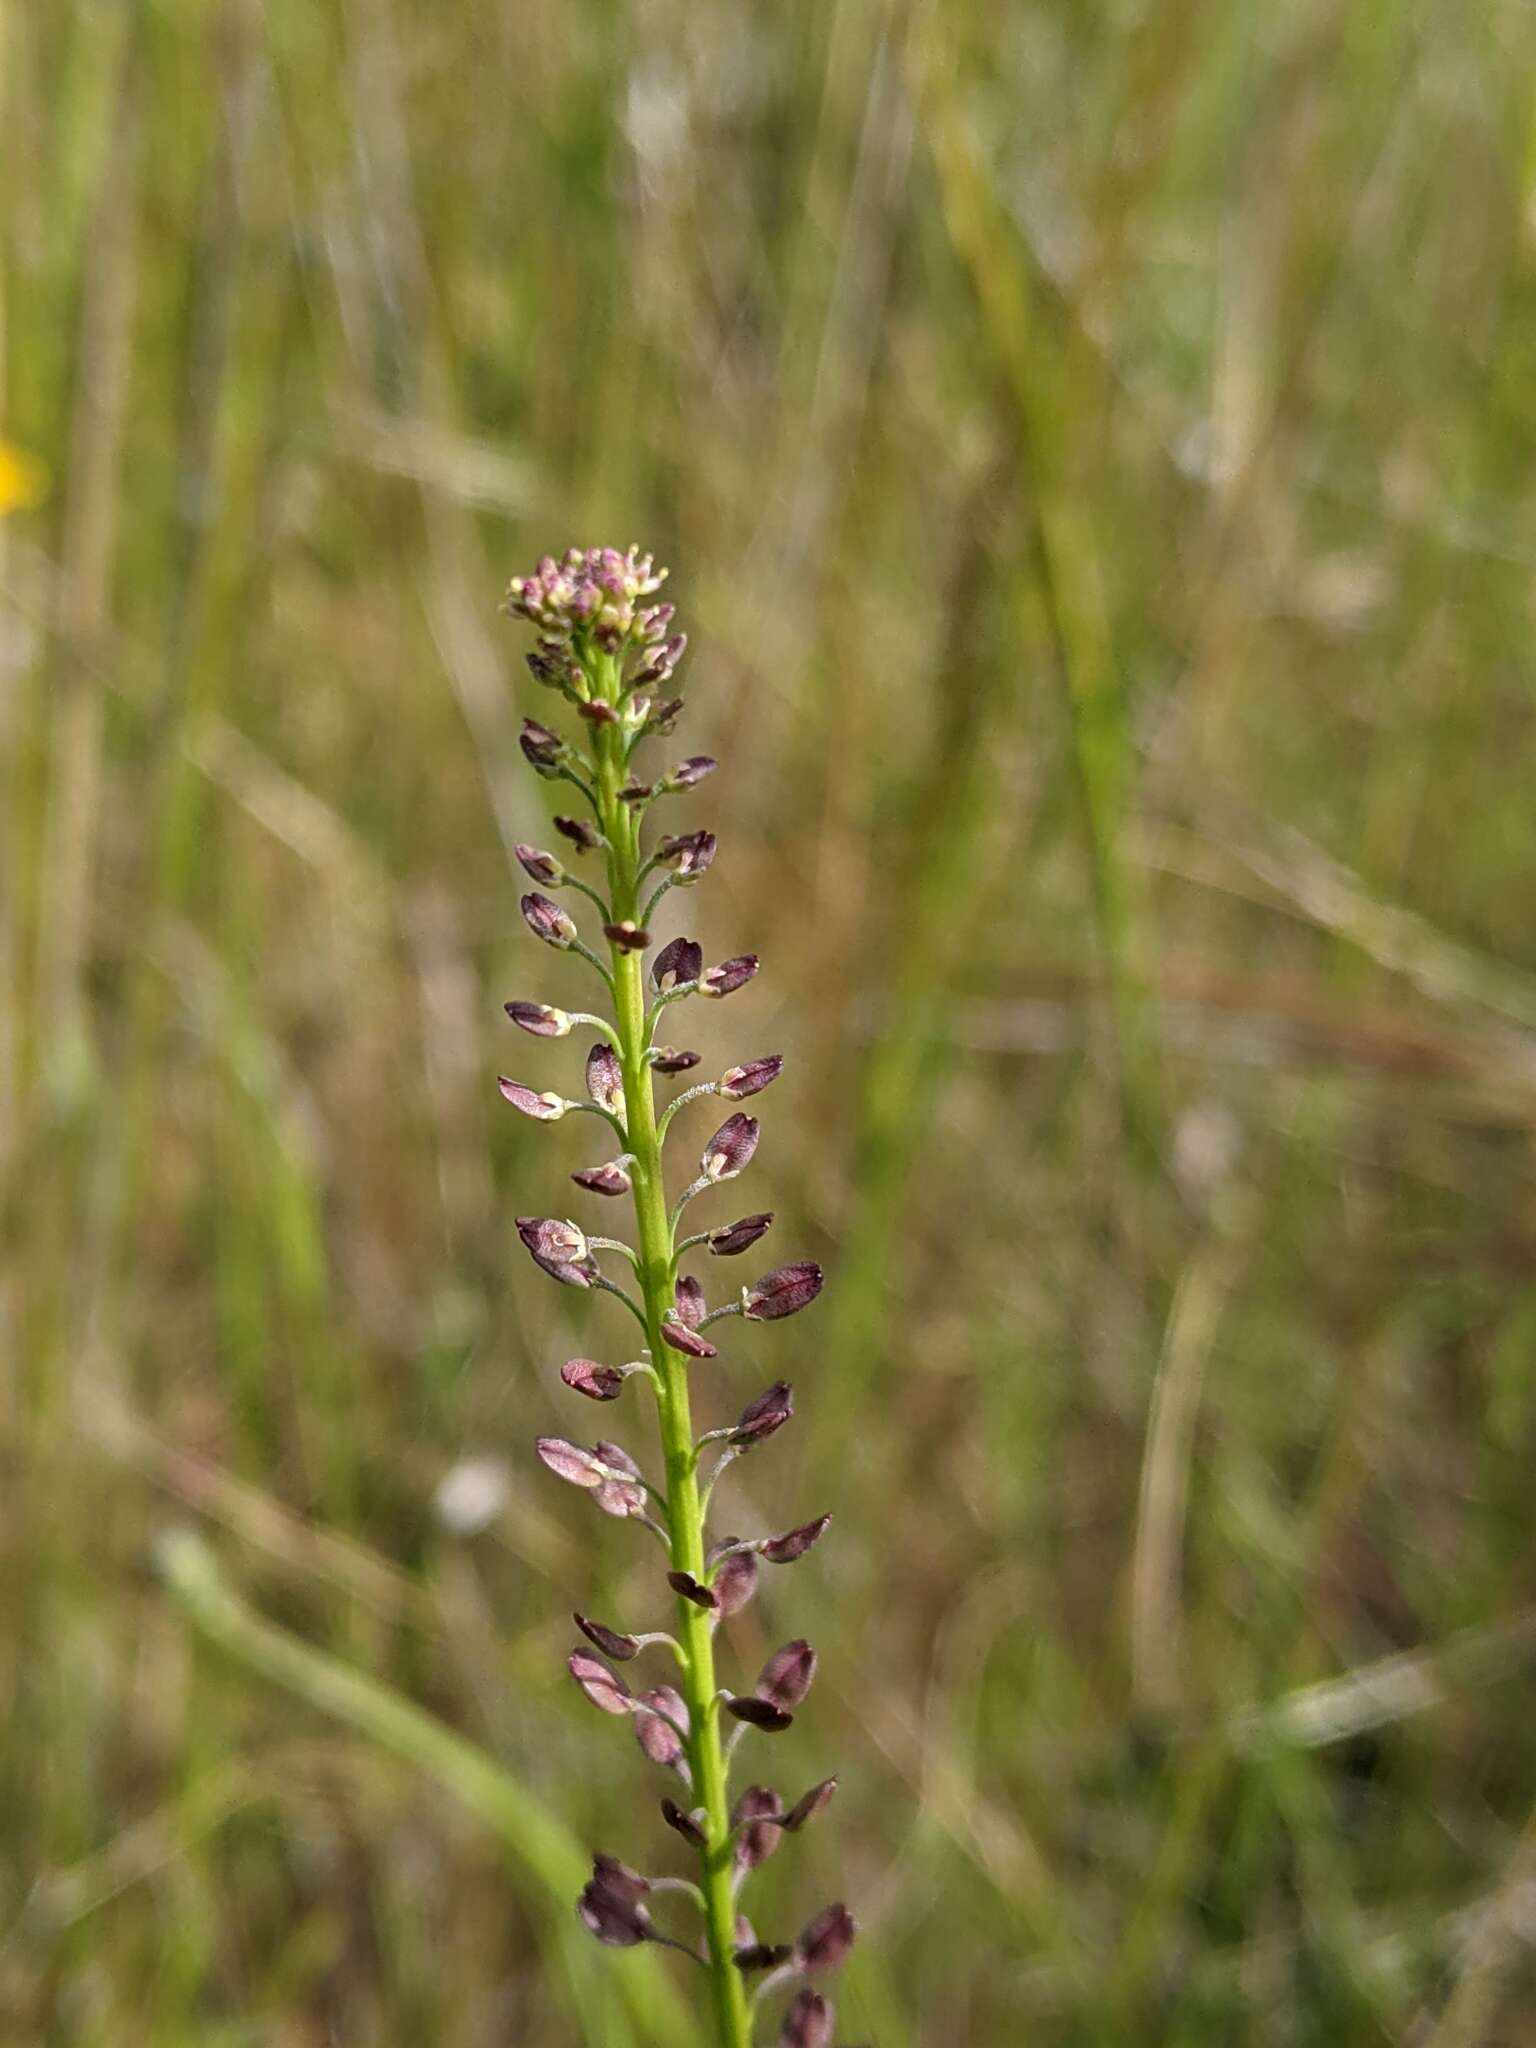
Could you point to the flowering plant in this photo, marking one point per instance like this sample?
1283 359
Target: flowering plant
607 647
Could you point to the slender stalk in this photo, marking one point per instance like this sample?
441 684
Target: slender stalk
683 1510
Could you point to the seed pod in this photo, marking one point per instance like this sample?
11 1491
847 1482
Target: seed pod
628 936
688 855
808 2023
729 976
736 1083
541 1020
559 1248
542 866
605 1078
758 1713
786 1678
735 1238
826 1940
604 1688
782 1293
584 837
543 749
761 1418
759 1813
690 1301
657 1736
806 1808
687 773
691 1826
547 921
610 1179
689 1342
597 1382
668 1060
611 1641
678 961
734 1582
547 1108
731 1148
794 1543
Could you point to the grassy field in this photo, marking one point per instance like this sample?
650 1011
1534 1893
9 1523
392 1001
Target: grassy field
1094 449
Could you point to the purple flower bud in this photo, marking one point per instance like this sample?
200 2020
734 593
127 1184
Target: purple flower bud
611 1641
605 1078
657 1736
547 921
635 791
570 1462
628 936
540 1019
545 750
687 1587
610 1179
597 1382
668 1060
615 1880
734 1238
689 1342
688 854
731 1148
729 976
806 1808
598 712
584 837
761 1955
782 1293
622 1491
808 2023
678 961
825 1942
542 866
759 1814
736 1083
786 1678
663 717
547 1108
691 1826
761 1418
559 1248
604 1688
616 1923
735 1581
689 772
758 1713
690 1301
794 1543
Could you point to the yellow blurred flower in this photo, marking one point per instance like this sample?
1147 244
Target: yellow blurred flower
23 480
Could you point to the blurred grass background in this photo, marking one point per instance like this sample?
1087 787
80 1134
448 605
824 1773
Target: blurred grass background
1094 449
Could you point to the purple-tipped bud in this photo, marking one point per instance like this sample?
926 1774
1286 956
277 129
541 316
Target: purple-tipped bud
655 1730
690 1301
761 1955
736 1083
617 1881
808 2023
604 1688
825 1942
786 1678
735 1238
570 1462
689 1342
616 1923
547 1108
598 712
761 1418
689 772
635 791
691 1826
782 1293
584 837
628 936
668 1060
678 961
610 1179
663 717
759 1814
542 866
687 1587
559 1248
794 1543
547 921
540 1019
611 1641
688 854
622 1491
731 1148
605 1078
758 1713
545 750
735 1581
729 976
597 1382
806 1808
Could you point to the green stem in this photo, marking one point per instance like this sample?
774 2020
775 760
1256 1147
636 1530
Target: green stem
684 1513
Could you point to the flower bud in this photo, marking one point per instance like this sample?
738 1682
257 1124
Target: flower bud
604 1688
635 791
544 750
825 1942
678 961
666 1059
781 1293
628 936
611 1641
736 1083
734 1581
761 1418
806 1808
662 718
584 837
786 1678
759 1814
761 1955
605 1077
547 1108
559 1248
597 1382
689 772
542 866
541 1020
617 1924
690 1301
610 1179
794 1543
687 1587
691 1826
598 711
547 921
689 1342
657 1736
729 976
734 1238
570 1462
758 1713
622 1490
731 1148
688 854
808 2023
